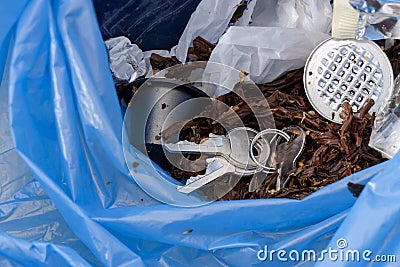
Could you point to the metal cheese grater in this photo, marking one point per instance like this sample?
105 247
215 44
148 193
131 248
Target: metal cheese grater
350 70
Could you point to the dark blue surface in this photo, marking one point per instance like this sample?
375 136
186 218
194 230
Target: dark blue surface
149 24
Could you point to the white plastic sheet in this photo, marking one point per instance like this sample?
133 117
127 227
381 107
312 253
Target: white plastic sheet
280 38
311 15
385 136
210 21
254 42
265 52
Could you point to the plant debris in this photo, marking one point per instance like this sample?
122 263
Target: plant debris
158 62
240 8
201 49
135 164
332 151
187 232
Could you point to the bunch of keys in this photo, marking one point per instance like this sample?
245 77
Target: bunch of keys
242 151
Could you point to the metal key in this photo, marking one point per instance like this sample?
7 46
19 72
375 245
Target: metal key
232 156
287 155
284 158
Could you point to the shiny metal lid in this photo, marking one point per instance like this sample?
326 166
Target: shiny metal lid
353 71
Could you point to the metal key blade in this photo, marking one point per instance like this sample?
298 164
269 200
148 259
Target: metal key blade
288 154
214 144
216 167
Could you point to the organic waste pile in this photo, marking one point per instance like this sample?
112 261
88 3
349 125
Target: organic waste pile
332 151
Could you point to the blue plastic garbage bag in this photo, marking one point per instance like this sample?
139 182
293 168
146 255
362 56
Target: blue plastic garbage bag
68 199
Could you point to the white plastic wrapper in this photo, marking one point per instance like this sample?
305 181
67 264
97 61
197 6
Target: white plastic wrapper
385 135
126 60
386 139
279 39
311 15
210 20
265 52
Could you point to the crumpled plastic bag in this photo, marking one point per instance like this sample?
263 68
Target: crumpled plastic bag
66 125
385 136
126 60
29 220
273 18
310 15
279 39
209 20
265 52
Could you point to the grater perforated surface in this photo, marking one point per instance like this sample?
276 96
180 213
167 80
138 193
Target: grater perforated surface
351 71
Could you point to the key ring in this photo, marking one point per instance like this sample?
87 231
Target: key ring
260 135
241 128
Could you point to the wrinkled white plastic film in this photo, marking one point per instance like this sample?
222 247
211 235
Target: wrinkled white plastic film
385 136
265 52
210 21
271 38
280 37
